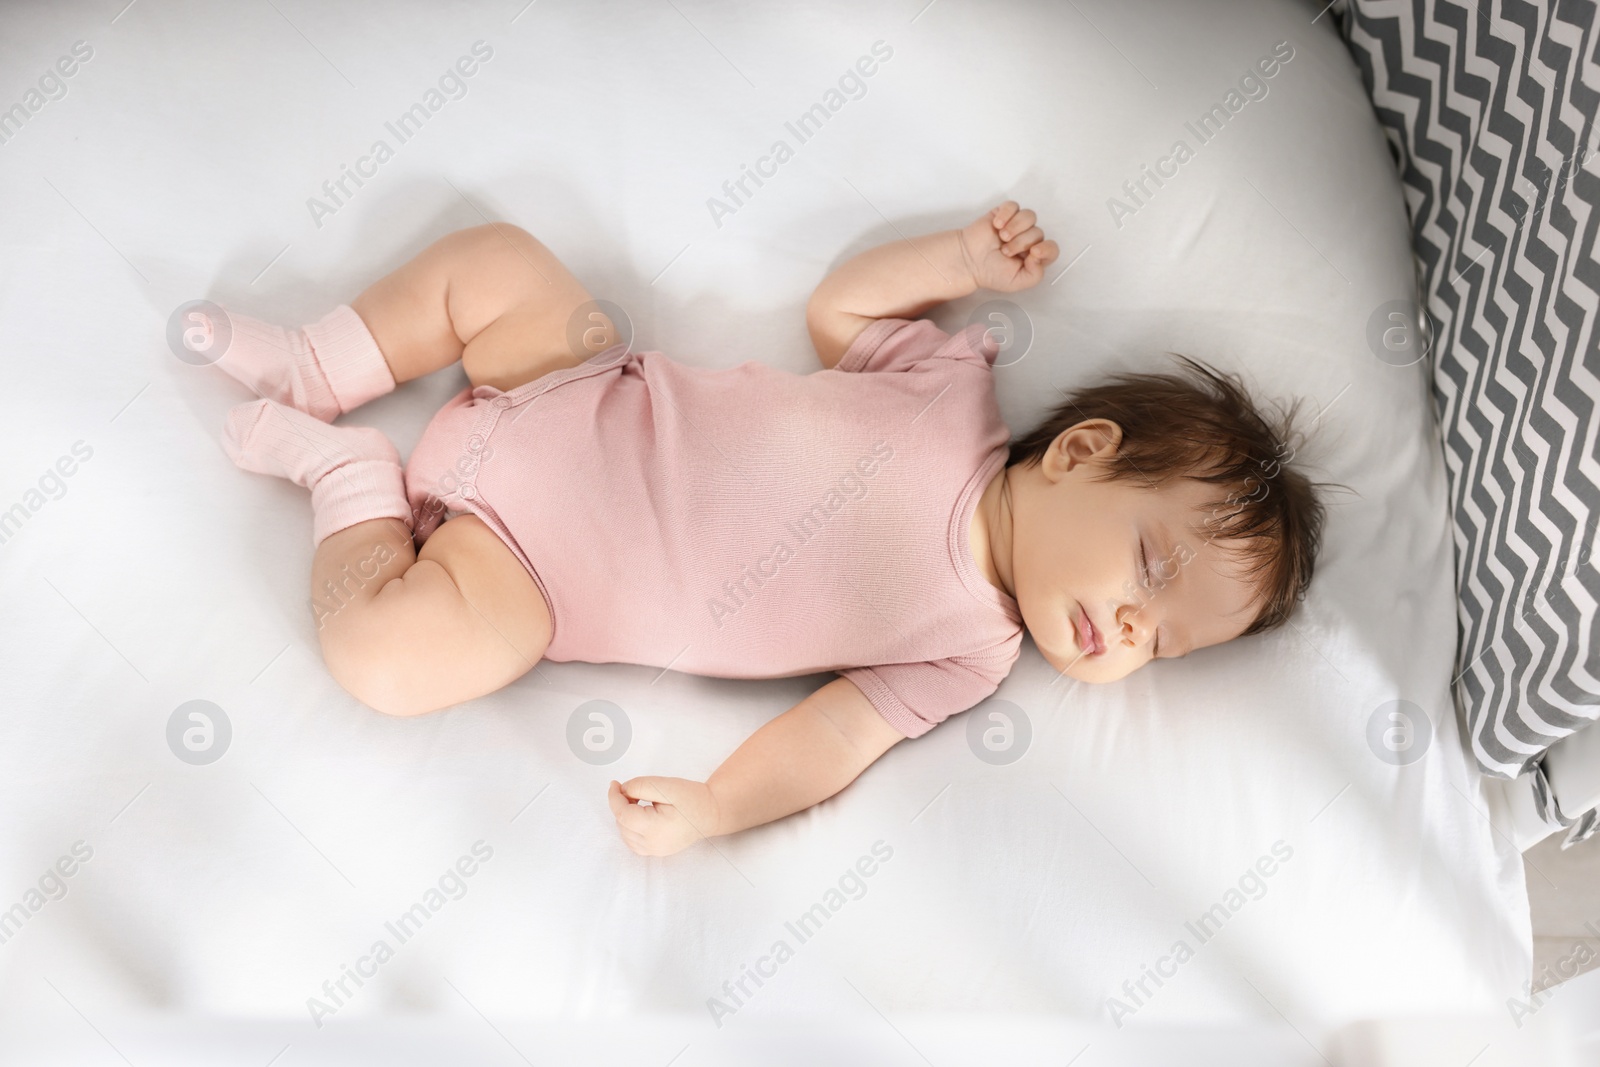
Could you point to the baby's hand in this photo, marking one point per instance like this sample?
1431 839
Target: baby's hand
681 813
1005 251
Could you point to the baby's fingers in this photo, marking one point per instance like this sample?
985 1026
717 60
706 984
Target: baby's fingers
1016 224
616 800
1023 241
642 819
999 216
648 788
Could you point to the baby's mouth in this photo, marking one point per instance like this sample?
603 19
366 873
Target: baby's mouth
1088 637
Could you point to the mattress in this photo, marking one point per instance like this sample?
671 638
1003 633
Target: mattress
1245 802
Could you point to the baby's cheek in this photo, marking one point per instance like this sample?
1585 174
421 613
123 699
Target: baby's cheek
1052 633
1111 668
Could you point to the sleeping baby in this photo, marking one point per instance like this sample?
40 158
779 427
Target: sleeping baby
581 500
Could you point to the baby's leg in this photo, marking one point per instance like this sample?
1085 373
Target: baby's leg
460 619
493 297
403 632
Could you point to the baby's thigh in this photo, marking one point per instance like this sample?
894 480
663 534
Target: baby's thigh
522 313
504 611
465 620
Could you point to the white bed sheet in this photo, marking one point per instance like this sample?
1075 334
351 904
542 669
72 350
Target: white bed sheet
178 166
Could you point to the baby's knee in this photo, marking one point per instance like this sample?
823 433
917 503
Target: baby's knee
497 240
373 672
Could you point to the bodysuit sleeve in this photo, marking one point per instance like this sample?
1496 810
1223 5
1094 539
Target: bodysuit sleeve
916 697
889 345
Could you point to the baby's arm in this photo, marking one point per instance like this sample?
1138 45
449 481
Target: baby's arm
801 758
1002 250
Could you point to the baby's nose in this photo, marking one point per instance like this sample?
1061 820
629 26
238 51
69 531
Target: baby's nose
1135 623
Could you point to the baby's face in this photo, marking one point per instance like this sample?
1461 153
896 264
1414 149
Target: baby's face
1111 574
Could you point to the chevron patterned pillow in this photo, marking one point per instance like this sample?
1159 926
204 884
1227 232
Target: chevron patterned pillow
1490 111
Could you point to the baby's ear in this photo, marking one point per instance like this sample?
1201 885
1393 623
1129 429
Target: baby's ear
1087 441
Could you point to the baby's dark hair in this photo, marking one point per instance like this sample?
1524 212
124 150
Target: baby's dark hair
1201 424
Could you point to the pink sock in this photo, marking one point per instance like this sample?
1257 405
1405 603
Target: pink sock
353 472
324 369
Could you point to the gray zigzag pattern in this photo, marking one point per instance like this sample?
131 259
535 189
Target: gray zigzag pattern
1490 111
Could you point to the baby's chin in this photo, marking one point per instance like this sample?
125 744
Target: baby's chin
1093 669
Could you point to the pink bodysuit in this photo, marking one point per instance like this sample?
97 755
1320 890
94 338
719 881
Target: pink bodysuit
750 522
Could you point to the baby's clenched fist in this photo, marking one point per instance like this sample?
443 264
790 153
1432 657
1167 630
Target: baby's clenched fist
1005 251
680 813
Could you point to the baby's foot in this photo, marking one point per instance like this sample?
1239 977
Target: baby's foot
269 438
324 369
353 472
